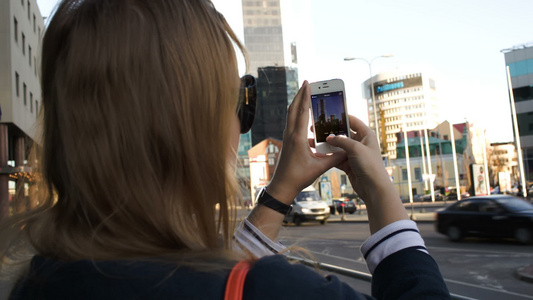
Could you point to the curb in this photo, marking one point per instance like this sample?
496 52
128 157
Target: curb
330 220
525 273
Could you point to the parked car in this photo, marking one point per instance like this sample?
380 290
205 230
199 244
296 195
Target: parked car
453 195
427 198
501 216
345 204
308 206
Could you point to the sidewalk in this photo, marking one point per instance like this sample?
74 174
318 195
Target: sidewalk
361 216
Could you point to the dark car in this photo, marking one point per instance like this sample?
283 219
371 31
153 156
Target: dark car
344 203
500 216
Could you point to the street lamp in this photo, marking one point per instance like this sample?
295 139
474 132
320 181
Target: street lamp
372 89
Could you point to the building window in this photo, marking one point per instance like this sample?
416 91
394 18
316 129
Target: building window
29 10
16 29
24 90
404 174
418 174
17 84
36 107
33 23
29 54
31 102
23 44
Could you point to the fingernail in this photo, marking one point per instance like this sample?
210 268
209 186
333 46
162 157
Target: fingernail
305 83
331 134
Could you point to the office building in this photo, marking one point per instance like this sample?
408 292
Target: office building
263 34
404 101
519 59
276 88
503 166
440 156
21 26
272 61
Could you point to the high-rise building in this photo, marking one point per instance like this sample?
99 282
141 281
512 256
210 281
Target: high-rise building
519 59
21 25
263 34
272 61
276 87
404 100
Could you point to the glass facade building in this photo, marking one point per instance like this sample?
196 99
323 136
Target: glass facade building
276 87
520 62
277 84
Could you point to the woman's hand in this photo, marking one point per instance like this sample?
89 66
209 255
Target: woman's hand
364 165
298 167
368 176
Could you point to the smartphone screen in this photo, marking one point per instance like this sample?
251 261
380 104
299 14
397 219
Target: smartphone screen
329 115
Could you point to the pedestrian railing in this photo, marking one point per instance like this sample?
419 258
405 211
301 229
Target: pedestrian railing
351 273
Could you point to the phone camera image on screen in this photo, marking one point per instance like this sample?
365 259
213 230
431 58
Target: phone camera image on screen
329 115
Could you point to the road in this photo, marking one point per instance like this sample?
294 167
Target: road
475 268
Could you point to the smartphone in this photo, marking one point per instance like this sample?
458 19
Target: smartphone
328 104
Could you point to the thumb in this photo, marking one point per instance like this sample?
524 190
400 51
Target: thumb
347 144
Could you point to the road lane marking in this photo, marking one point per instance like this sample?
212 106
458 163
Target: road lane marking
487 288
360 261
480 251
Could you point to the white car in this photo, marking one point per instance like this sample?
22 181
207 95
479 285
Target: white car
308 206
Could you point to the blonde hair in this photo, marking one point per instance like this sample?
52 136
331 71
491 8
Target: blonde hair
137 98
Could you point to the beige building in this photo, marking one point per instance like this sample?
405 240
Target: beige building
441 170
21 27
502 157
405 100
442 166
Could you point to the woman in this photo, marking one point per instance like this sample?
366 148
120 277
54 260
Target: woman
140 131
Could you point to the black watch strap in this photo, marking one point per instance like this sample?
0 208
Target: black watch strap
265 199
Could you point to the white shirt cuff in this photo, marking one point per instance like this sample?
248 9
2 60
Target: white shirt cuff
391 239
251 239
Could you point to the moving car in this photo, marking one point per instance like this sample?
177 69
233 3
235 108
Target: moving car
345 204
308 206
501 216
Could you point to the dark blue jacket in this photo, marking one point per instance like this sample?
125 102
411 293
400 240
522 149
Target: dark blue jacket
407 274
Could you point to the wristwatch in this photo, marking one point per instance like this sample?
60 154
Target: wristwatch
267 200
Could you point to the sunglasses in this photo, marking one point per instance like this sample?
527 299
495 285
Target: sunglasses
247 102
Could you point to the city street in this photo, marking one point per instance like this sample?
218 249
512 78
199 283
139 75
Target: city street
475 268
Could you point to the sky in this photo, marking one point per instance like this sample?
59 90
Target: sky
458 41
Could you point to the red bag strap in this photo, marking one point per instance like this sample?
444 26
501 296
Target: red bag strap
235 283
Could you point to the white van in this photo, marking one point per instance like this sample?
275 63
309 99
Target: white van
308 206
